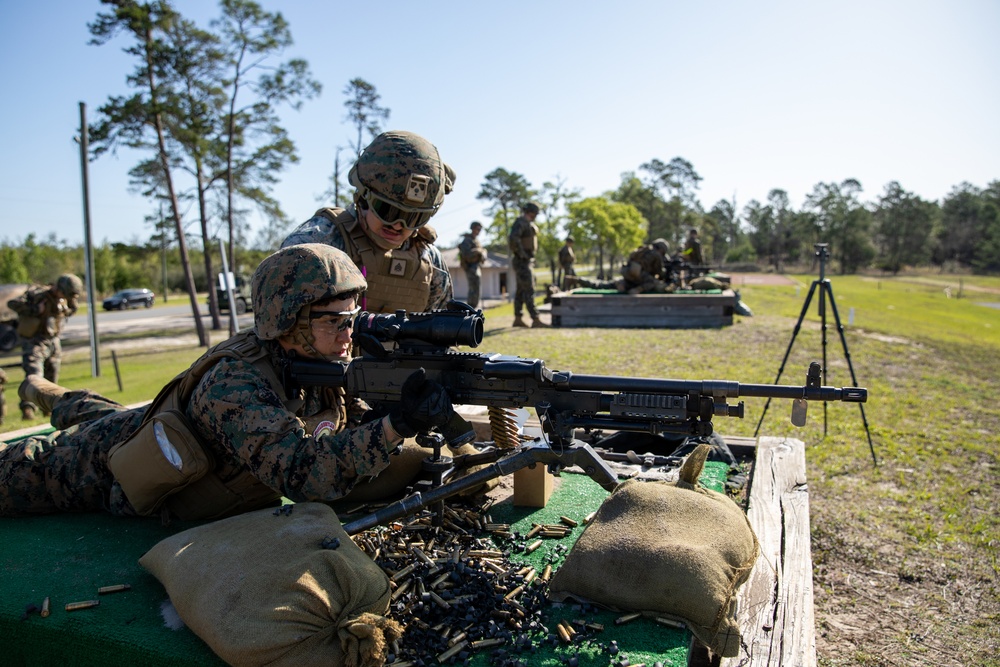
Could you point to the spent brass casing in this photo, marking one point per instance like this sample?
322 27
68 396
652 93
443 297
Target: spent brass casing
514 593
117 588
454 650
622 620
85 604
45 608
669 622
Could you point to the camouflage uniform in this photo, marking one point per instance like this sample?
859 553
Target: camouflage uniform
567 258
471 253
3 399
523 243
41 314
692 250
645 271
321 229
244 427
402 174
315 452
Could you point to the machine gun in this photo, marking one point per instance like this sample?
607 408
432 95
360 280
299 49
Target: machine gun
681 272
395 345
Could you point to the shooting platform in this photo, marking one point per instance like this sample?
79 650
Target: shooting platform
583 307
67 557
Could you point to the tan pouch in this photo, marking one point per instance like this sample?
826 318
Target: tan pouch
28 325
160 459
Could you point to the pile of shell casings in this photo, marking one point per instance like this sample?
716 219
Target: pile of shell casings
457 592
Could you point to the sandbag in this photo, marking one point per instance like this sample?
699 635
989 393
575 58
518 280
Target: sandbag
666 548
261 589
706 283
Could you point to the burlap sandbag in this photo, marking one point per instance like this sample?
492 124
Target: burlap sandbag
707 283
260 589
669 549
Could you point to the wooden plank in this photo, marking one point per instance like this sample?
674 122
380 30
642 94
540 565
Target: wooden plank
643 310
775 611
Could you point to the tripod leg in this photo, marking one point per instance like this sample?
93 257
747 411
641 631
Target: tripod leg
823 289
850 367
795 332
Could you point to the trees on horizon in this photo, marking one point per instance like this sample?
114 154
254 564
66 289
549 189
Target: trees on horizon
896 230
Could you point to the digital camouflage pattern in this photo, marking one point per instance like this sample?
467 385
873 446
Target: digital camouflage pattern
235 414
41 316
321 229
69 285
523 243
472 254
3 398
405 169
524 295
246 426
234 410
67 470
645 272
662 246
294 277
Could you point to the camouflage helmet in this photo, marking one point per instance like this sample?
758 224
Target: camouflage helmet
661 245
531 207
404 169
295 277
69 285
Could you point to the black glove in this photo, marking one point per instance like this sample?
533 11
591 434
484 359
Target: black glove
424 404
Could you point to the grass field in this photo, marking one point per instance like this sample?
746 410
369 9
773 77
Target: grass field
905 553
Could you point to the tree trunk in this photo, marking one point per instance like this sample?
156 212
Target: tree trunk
174 206
206 243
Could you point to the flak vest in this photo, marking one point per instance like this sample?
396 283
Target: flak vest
397 279
207 490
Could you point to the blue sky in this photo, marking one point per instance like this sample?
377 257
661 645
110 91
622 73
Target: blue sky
756 95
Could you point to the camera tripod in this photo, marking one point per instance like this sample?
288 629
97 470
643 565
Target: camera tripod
825 291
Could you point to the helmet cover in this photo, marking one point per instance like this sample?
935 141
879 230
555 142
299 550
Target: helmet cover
295 277
404 169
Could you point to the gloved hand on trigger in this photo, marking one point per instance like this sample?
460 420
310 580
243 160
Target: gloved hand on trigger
424 404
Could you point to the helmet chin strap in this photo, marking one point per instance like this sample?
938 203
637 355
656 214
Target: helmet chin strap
302 335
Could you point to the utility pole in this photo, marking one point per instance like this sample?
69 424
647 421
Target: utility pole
88 247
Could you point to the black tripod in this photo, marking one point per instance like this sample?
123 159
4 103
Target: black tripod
825 289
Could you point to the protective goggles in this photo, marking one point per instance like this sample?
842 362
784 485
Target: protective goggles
341 320
390 213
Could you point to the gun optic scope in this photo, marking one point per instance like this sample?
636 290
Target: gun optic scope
443 328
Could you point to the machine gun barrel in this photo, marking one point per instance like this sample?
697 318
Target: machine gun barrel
579 454
719 388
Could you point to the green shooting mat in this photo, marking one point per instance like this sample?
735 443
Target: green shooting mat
68 557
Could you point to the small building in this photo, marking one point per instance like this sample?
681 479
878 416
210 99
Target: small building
497 281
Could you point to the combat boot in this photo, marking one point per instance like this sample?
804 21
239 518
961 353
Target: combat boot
537 323
518 322
27 414
36 389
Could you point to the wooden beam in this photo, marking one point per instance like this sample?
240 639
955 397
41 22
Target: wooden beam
775 606
671 311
